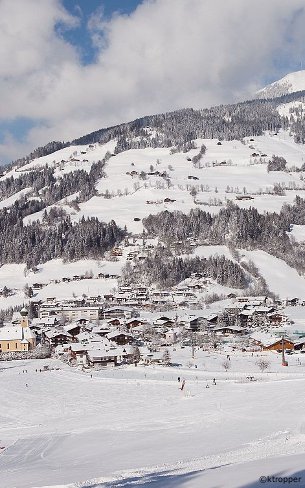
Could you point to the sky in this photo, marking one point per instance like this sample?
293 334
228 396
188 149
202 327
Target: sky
69 67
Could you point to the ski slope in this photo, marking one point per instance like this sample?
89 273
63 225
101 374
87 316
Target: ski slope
280 278
133 425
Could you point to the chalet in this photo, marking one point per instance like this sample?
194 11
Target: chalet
55 337
102 358
130 324
17 338
125 289
204 321
120 338
122 298
109 297
228 330
152 358
276 318
259 300
101 330
73 329
79 353
264 310
268 342
117 312
51 321
116 251
114 322
299 345
278 345
246 317
38 286
127 353
132 302
103 275
171 336
244 197
164 322
83 321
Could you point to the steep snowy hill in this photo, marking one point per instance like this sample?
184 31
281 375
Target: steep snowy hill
293 82
76 201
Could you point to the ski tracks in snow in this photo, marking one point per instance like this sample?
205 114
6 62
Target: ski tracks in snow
278 444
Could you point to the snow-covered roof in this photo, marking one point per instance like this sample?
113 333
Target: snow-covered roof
50 334
117 333
14 333
233 328
95 354
267 339
72 326
76 347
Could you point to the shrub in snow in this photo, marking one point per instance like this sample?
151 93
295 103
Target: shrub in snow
263 364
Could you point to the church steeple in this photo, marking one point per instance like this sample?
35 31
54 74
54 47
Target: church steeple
24 318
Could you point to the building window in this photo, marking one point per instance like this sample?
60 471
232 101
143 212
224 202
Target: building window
8 346
16 345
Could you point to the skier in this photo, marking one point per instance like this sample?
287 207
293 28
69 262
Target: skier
207 385
178 379
214 381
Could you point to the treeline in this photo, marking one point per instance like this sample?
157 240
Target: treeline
236 227
165 270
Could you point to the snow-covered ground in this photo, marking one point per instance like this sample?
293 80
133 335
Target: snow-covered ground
135 427
298 233
226 170
15 277
280 278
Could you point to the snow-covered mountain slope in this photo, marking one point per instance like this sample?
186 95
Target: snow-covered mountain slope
141 182
130 190
176 162
293 82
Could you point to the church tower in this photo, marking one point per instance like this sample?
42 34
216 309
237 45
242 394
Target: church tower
24 317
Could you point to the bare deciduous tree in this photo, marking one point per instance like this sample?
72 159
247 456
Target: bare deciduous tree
263 364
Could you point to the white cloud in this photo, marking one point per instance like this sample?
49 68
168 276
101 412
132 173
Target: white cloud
168 54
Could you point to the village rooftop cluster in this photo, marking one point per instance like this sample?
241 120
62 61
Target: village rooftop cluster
95 333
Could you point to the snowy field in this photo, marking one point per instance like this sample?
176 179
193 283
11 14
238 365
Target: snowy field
281 279
135 427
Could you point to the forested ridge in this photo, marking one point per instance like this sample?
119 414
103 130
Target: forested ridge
237 228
